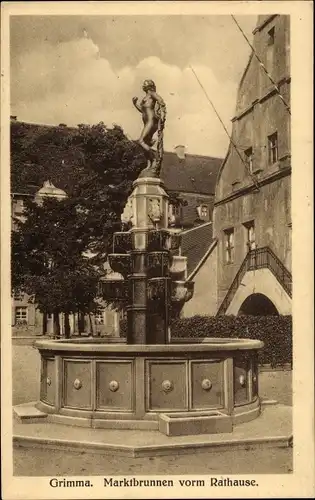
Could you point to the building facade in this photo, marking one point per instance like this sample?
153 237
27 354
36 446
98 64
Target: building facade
192 178
252 214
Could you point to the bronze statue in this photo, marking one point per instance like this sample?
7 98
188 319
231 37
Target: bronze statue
153 110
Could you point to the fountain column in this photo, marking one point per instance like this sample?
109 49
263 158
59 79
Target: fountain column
149 212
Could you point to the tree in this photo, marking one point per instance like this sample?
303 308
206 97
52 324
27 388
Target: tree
49 261
59 249
112 163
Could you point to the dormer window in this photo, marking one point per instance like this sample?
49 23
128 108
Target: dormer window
204 211
174 210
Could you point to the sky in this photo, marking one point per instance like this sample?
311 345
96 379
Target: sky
86 69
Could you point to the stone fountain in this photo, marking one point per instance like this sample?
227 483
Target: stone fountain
148 381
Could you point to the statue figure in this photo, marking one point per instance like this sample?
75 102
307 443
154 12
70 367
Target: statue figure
153 110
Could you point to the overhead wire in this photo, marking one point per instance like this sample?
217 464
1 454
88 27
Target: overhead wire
263 66
225 129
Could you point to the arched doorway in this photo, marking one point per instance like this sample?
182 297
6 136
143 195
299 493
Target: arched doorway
258 304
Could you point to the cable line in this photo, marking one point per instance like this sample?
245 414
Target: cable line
225 129
263 67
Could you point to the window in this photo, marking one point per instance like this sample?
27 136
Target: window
250 235
229 246
270 50
174 214
21 315
271 36
174 210
100 318
18 207
273 148
203 211
249 159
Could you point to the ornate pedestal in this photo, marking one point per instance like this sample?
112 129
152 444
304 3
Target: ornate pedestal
144 257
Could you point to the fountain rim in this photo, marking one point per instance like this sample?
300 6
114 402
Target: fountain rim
211 344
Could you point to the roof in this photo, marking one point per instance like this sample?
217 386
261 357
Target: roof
263 20
194 174
195 244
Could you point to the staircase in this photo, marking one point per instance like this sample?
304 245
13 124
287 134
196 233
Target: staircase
260 258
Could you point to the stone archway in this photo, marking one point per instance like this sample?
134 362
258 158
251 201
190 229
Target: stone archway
263 282
257 304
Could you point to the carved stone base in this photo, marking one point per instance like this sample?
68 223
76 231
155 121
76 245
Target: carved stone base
149 203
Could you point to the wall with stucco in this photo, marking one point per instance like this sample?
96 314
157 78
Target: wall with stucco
270 209
204 300
261 281
259 113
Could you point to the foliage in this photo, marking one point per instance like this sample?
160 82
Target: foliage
60 246
49 261
274 331
176 200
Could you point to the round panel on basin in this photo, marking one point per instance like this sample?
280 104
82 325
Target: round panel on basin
129 386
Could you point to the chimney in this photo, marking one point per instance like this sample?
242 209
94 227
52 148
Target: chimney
180 151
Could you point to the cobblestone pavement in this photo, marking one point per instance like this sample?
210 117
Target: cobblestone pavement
40 462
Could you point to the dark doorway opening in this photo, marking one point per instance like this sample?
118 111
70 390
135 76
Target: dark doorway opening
258 304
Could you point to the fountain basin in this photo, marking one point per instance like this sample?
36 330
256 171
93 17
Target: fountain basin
91 383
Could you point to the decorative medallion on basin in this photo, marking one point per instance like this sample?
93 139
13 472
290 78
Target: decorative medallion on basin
48 381
242 380
77 384
206 384
167 386
113 385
